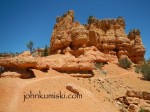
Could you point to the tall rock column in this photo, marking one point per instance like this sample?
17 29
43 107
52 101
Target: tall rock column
61 37
137 51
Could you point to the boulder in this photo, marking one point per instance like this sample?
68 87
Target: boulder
73 88
146 95
133 108
132 93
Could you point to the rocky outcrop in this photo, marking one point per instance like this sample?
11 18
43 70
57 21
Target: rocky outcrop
25 53
134 101
59 62
61 32
22 62
10 75
137 50
107 35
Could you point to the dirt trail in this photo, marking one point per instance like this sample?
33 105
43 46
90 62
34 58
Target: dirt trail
97 96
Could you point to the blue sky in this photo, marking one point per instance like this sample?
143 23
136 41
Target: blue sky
25 20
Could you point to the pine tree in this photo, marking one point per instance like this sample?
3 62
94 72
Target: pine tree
45 51
90 19
30 46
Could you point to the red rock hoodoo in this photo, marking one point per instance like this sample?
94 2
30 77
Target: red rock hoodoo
107 35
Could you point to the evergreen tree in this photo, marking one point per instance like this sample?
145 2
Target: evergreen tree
89 20
45 51
30 46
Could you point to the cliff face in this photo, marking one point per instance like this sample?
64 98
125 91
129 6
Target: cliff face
107 35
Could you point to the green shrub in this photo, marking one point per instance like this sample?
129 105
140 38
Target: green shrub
98 65
141 110
2 69
103 72
124 62
137 69
145 70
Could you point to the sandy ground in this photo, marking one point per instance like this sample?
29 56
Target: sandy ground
98 93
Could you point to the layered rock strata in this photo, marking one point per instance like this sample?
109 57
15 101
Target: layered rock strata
107 35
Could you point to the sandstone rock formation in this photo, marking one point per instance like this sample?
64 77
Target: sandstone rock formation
136 100
76 48
137 50
10 75
60 62
107 35
25 53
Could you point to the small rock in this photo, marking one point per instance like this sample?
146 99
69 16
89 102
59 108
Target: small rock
133 93
118 102
121 99
147 101
131 100
146 96
133 108
81 75
72 88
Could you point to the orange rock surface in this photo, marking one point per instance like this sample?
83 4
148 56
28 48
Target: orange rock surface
107 35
